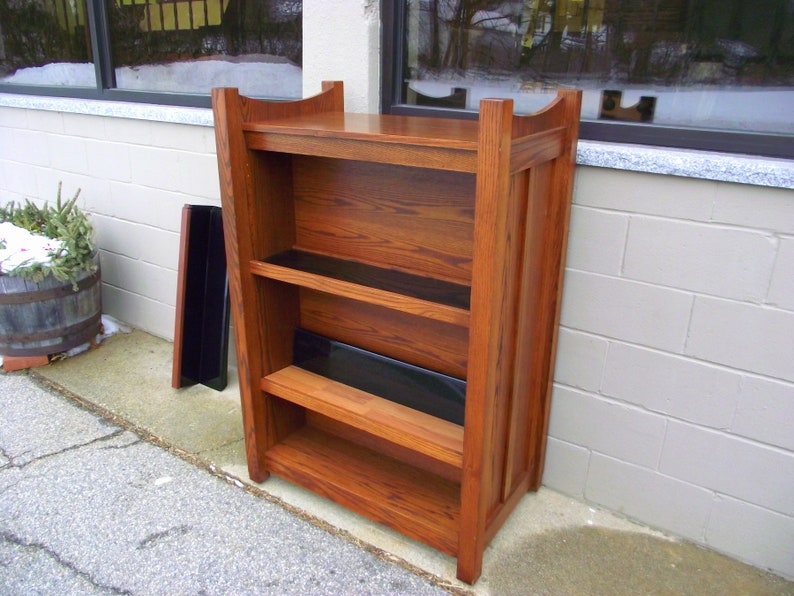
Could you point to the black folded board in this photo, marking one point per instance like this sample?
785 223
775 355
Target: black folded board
201 337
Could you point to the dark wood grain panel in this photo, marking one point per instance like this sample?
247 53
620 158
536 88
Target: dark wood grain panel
436 345
414 220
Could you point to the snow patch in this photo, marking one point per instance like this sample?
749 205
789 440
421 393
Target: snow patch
19 247
256 75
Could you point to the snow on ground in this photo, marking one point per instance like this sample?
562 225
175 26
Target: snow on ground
256 75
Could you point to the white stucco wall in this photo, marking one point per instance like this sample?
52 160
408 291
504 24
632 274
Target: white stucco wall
341 41
674 390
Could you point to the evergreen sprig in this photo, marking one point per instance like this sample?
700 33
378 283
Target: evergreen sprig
64 222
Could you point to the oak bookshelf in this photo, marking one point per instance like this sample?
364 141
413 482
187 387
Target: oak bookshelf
435 243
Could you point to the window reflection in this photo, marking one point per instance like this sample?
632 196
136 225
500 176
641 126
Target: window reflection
171 46
702 63
45 40
190 46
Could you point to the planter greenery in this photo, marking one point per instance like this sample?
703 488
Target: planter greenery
50 292
64 222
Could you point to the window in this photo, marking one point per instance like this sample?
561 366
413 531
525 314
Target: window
36 38
709 74
168 51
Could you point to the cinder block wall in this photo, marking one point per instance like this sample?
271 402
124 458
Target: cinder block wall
134 177
674 393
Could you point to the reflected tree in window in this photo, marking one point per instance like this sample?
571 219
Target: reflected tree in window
190 46
660 41
38 32
170 46
151 31
677 62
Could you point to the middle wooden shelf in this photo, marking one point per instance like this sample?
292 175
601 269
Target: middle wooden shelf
413 294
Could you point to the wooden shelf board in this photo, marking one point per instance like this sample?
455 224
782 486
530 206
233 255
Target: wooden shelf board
422 296
414 502
424 142
428 132
398 424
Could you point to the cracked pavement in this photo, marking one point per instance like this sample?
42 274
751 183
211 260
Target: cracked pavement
87 507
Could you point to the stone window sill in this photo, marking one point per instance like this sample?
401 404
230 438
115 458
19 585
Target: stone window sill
666 161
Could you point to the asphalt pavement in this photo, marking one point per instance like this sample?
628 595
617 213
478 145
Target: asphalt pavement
87 507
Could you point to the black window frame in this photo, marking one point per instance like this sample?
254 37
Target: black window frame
394 18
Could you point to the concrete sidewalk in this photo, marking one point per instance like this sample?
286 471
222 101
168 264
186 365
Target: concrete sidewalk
84 500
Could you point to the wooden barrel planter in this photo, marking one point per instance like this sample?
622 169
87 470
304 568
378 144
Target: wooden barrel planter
48 317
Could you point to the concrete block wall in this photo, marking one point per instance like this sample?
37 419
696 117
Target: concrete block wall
674 388
134 177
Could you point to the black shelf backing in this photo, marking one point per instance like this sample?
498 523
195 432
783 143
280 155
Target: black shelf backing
424 390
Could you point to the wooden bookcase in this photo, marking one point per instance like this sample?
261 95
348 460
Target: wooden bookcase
436 242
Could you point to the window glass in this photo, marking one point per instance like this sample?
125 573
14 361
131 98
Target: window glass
718 64
190 46
45 42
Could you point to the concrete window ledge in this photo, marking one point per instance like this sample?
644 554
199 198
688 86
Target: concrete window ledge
721 167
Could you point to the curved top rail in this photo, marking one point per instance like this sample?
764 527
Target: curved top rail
559 112
330 99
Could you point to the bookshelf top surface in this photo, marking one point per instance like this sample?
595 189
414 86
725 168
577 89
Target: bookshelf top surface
433 132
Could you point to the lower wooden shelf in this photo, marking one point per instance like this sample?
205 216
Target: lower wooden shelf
431 436
416 503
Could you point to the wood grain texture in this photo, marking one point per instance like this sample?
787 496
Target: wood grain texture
428 289
480 205
257 221
414 220
181 288
418 504
404 426
428 343
488 303
384 447
49 316
427 143
560 192
365 293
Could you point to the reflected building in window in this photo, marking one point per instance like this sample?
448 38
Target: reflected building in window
691 63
